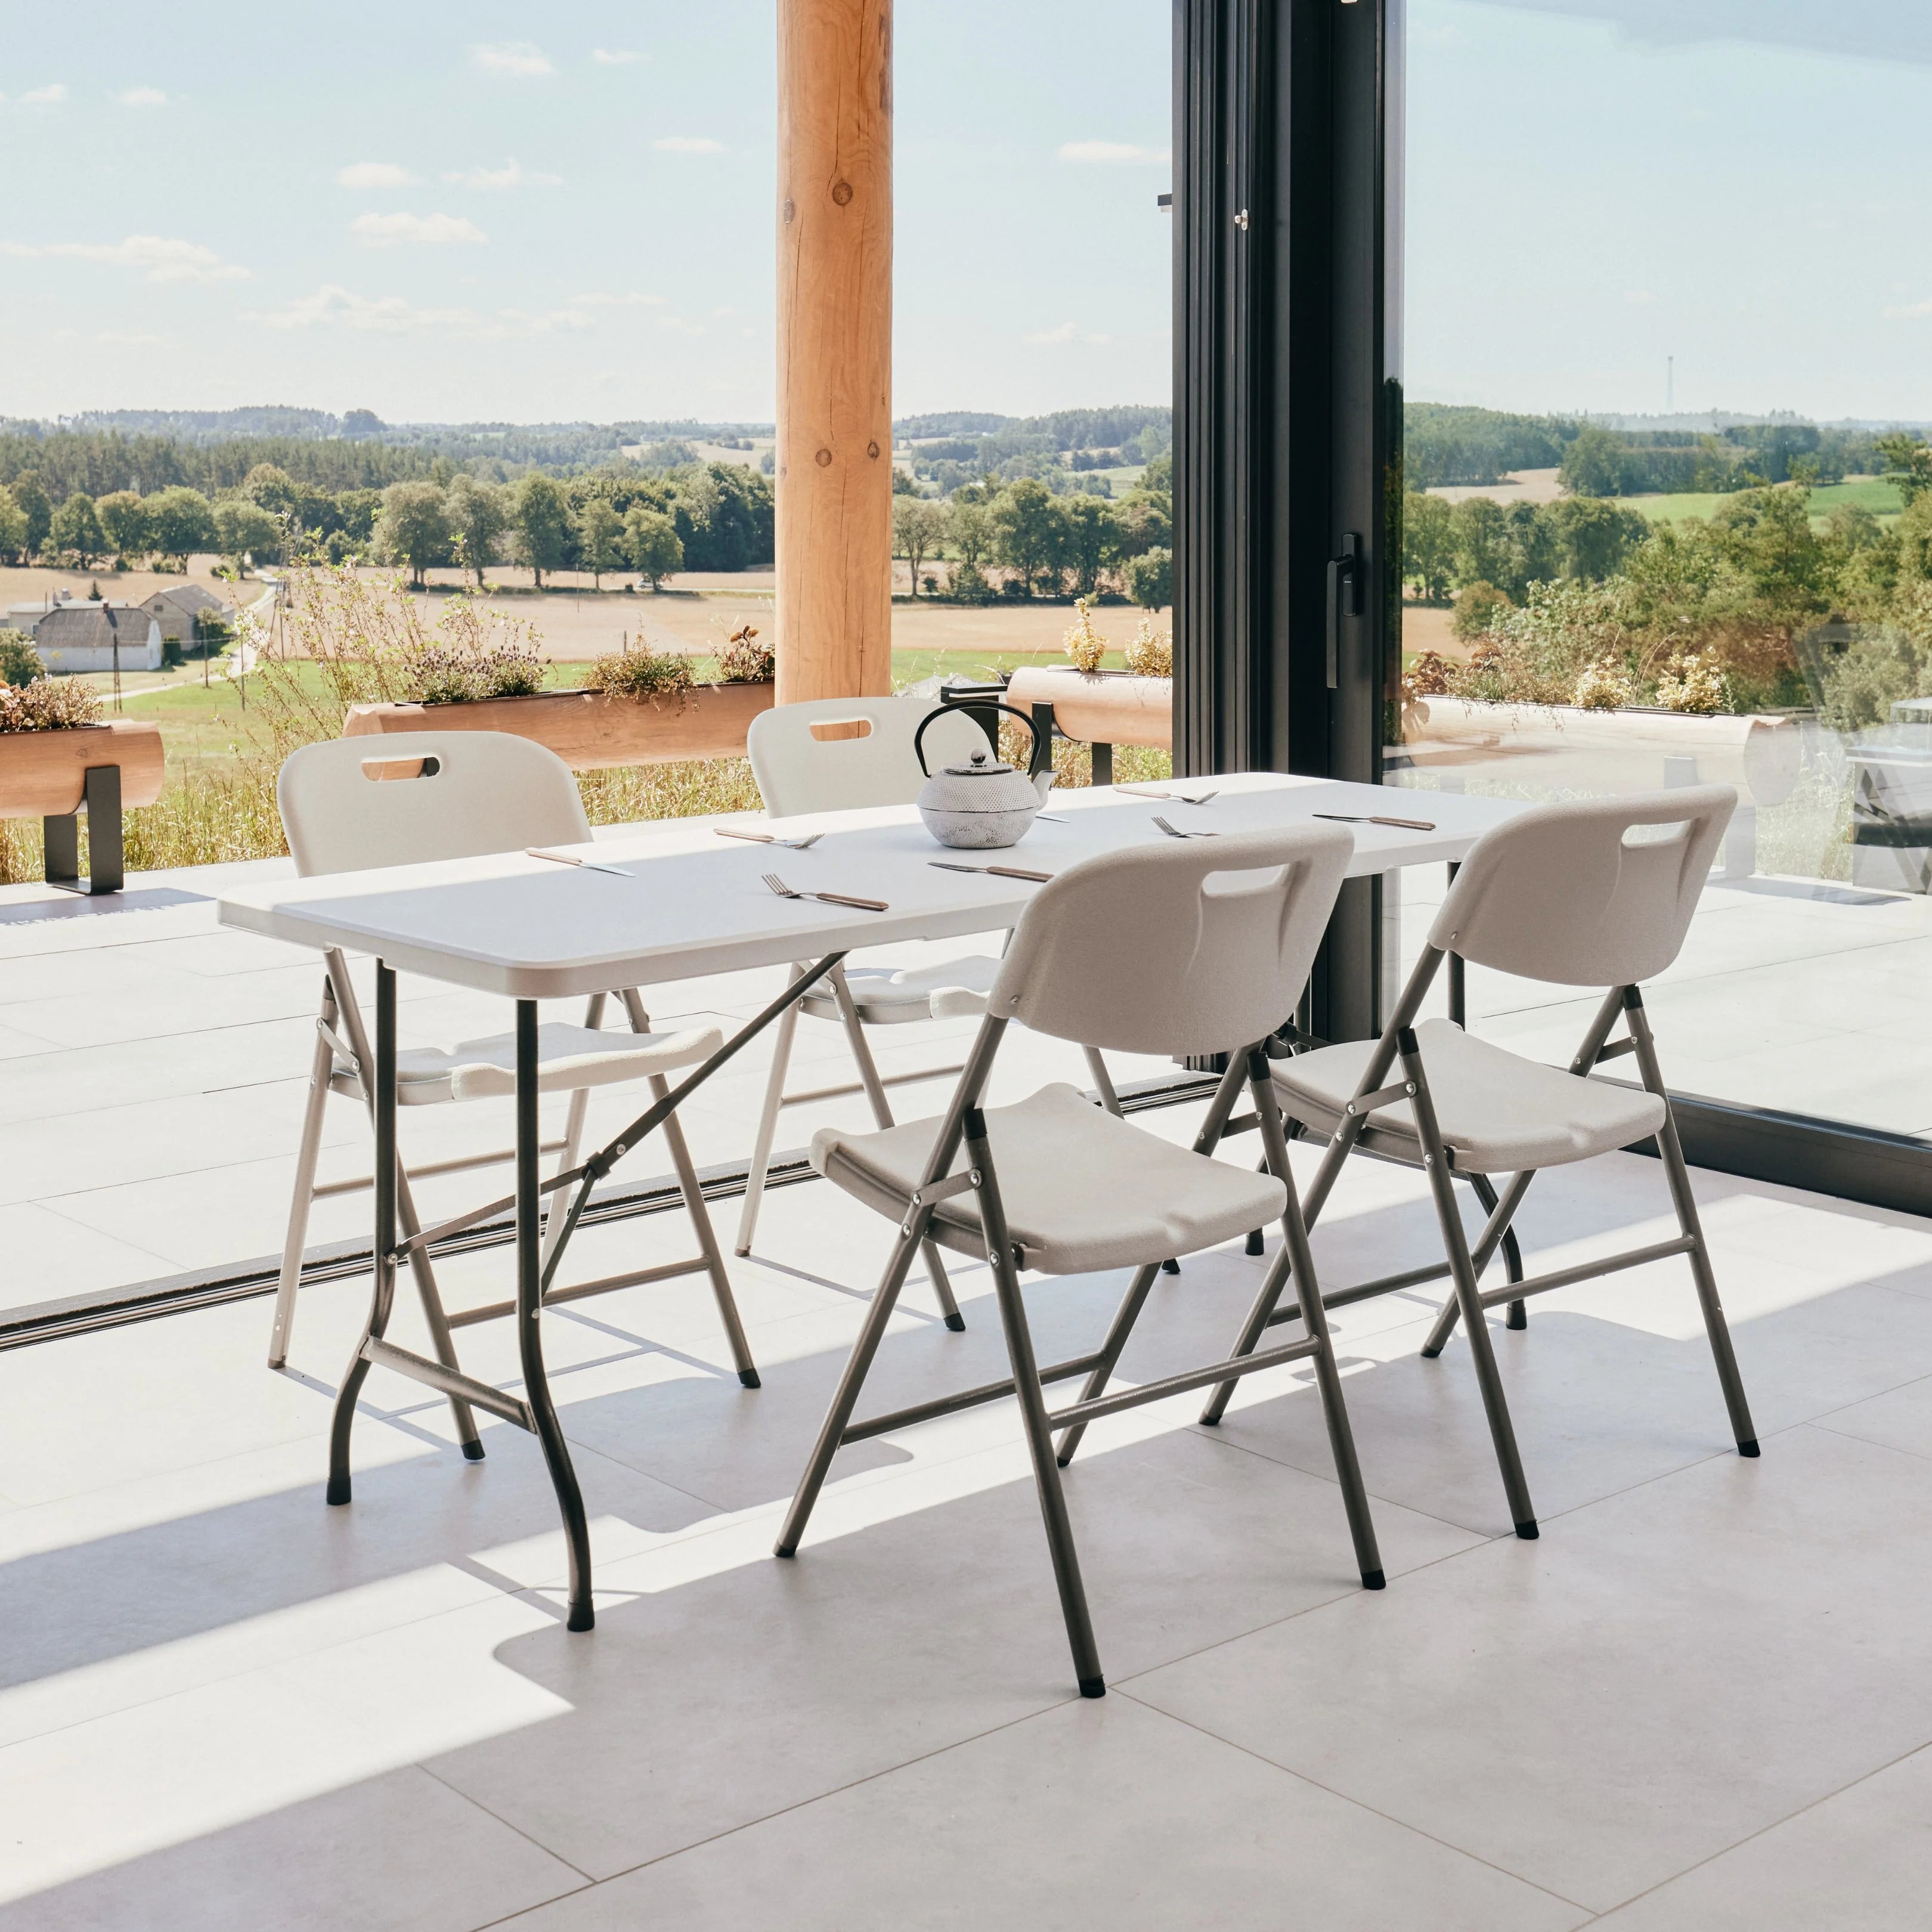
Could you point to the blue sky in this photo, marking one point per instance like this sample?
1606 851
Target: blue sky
502 211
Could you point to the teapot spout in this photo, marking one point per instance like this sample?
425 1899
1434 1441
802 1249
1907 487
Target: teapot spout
1042 783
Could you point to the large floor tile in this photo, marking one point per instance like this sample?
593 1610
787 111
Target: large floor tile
1858 1860
1091 1815
1661 1676
912 1619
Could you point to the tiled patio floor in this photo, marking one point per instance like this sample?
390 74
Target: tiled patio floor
1702 1700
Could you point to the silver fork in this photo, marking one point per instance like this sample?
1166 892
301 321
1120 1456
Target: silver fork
1172 832
784 892
804 845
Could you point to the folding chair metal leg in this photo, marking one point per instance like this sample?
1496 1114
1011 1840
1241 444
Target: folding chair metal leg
1033 1412
768 1127
321 1066
1315 1324
1462 1270
1485 1192
1678 1177
1103 1082
1498 1230
882 1115
1122 1326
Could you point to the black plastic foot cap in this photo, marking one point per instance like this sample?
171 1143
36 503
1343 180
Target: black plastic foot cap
582 1618
1518 1319
338 1491
1429 1355
741 1252
956 1322
472 1451
1093 1687
1748 1448
749 1377
1256 1245
1170 1267
1374 1579
1528 1530
786 1550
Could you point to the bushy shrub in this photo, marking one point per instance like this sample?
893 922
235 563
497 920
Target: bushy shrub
638 671
1150 653
1477 607
1150 578
48 704
19 663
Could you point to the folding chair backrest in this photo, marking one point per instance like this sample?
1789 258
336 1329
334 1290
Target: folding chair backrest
1188 948
798 771
1596 893
354 804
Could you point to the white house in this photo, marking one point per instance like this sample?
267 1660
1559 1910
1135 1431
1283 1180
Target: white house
91 637
176 608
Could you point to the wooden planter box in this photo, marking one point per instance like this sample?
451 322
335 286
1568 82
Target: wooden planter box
1760 755
1107 707
589 730
42 774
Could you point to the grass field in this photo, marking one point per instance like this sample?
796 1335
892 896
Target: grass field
1870 493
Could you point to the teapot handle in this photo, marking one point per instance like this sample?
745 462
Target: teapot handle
952 710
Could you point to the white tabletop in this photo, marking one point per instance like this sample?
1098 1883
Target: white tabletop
529 928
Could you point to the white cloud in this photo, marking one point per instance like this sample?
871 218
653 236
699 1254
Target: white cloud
333 306
1110 151
687 144
1067 331
634 299
1909 308
124 339
45 96
615 56
386 231
374 174
162 259
510 176
523 58
142 96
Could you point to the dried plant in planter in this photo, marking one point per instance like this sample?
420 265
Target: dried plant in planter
638 671
48 704
1150 652
1603 687
744 661
1085 645
1692 683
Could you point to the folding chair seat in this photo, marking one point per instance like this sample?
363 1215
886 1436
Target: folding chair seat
471 793
1599 892
1181 949
1497 1112
865 757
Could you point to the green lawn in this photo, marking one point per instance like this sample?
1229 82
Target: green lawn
1870 493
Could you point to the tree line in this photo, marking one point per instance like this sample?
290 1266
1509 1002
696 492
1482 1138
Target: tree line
699 516
1047 543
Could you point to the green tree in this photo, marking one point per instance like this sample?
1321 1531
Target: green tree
1027 529
1593 538
31 494
1593 465
600 539
1911 462
1091 538
19 663
919 529
651 543
1150 579
243 529
273 489
1145 518
1428 543
1482 540
477 517
413 528
969 530
13 526
179 523
542 523
76 531
125 523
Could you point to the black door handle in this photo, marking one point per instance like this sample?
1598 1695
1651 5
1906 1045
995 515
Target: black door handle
1345 598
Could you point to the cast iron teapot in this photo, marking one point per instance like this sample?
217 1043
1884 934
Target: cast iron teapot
985 803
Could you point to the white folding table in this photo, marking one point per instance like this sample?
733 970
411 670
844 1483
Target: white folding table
694 903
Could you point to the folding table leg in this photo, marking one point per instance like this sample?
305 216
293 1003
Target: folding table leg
768 1127
321 1066
382 1296
529 1318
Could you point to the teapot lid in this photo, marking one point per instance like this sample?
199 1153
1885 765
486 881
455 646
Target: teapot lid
978 766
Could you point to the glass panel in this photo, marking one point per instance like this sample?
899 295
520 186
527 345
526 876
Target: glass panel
1668 513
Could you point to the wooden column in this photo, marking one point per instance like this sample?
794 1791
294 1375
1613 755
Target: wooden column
835 342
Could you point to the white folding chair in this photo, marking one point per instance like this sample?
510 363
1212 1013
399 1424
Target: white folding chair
1597 893
354 804
1176 949
833 754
